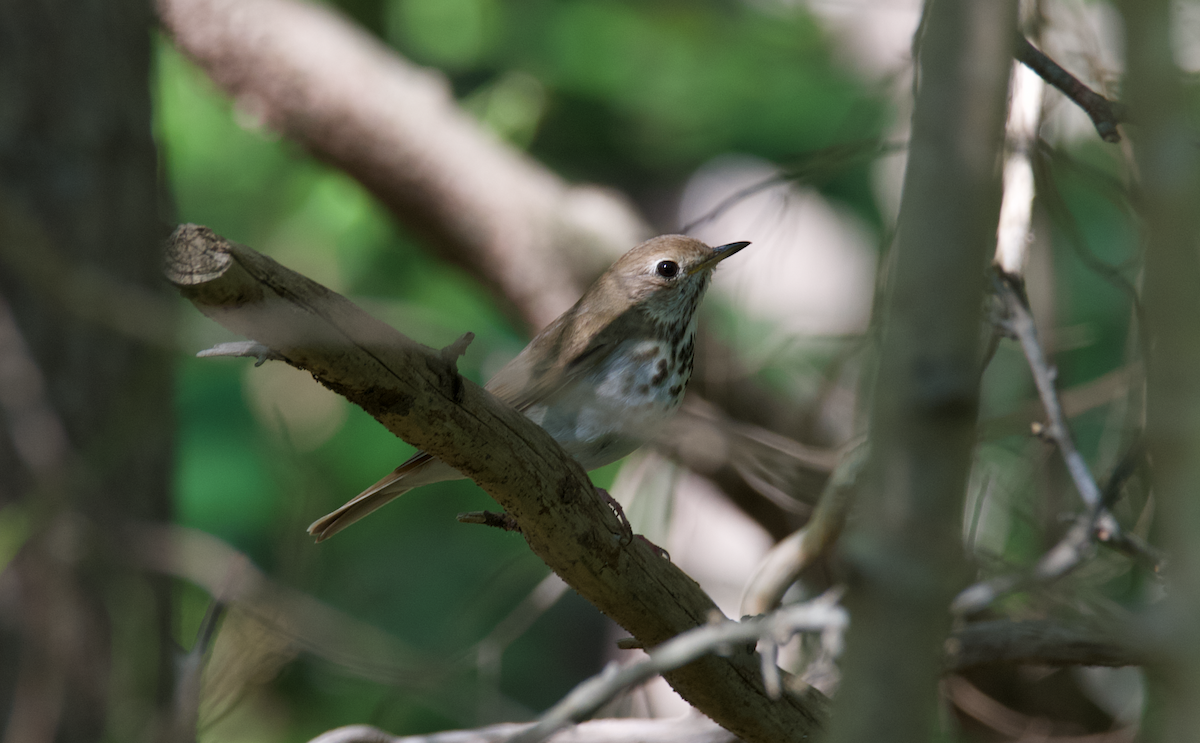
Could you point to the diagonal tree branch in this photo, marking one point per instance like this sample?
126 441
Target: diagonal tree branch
418 395
1105 114
311 75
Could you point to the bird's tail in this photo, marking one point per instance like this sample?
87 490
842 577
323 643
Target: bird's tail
397 483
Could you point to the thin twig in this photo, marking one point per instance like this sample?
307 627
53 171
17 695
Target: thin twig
1057 206
1105 114
189 673
1020 323
1041 642
1097 523
692 728
1120 475
583 701
832 160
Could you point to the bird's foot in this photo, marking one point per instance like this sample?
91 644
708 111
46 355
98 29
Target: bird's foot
627 535
626 528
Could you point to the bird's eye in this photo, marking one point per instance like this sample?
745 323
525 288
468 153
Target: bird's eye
667 269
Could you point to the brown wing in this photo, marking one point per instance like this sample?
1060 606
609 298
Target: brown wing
560 354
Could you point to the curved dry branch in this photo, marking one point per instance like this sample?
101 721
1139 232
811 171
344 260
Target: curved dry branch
309 74
820 615
690 729
417 395
789 558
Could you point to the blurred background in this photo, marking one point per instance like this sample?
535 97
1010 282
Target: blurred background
776 121
677 105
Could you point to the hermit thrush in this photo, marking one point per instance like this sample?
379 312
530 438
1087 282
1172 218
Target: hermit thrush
601 378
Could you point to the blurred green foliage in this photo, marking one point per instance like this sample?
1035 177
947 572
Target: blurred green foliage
631 94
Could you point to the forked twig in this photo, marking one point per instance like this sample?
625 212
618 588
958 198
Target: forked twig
1096 524
820 615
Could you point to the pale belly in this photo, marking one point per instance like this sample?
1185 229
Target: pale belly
619 406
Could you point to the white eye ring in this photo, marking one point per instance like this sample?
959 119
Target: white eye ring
667 269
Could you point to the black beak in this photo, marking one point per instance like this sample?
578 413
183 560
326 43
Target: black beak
720 253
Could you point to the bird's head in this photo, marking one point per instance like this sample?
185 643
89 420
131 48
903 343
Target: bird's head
666 276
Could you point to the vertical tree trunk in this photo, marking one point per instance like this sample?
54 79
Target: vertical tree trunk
85 409
1165 137
904 557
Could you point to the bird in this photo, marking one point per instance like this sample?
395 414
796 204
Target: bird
602 378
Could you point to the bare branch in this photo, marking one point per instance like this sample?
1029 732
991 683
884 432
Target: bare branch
690 729
584 700
904 554
408 389
790 557
1097 522
1016 208
1105 114
1040 642
1037 642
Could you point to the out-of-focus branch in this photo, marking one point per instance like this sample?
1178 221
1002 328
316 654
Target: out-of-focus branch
820 615
904 554
189 679
790 557
1105 114
1039 642
690 729
310 625
1168 168
1009 724
415 393
308 73
766 474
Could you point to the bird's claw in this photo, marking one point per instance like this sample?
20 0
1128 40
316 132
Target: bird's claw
627 535
626 527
